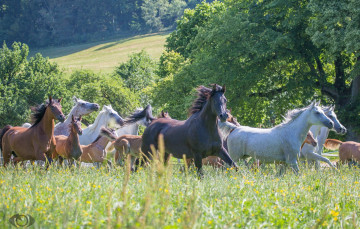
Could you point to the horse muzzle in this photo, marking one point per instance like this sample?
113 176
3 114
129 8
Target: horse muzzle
95 107
223 117
120 121
314 144
330 124
61 118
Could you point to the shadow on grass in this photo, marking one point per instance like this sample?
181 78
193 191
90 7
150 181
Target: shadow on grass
56 52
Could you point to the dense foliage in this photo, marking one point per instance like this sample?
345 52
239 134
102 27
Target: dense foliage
52 22
26 83
272 55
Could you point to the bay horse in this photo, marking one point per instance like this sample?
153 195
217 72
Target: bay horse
313 153
198 136
95 152
68 147
128 144
36 142
80 108
348 151
278 144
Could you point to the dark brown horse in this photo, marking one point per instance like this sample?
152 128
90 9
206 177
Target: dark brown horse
36 142
198 136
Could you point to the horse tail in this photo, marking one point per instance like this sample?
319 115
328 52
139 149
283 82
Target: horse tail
2 133
332 144
111 146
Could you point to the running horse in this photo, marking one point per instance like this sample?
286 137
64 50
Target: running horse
36 142
198 136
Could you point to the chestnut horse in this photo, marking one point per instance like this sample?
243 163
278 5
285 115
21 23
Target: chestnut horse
36 142
198 136
68 147
348 151
95 152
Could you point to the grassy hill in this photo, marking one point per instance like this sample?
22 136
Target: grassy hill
105 55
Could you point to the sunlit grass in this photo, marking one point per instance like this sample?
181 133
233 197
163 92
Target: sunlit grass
166 196
104 56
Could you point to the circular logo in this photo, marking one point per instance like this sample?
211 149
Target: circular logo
21 220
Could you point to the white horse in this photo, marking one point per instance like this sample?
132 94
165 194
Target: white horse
278 144
80 108
106 118
313 154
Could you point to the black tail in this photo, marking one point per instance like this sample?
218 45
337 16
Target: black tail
3 131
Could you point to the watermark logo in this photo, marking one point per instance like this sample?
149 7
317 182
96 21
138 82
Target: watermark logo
22 220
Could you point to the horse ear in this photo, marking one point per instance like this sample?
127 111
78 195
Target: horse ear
75 99
80 118
50 99
60 100
214 87
162 113
72 118
317 103
224 88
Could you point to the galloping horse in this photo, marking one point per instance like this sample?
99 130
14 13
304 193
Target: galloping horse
348 151
107 117
313 153
80 108
36 142
278 144
68 147
198 136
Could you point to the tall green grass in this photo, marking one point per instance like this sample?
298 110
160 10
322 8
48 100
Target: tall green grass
160 196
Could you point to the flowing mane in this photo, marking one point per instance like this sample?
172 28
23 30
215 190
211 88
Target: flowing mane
38 113
203 94
140 114
293 114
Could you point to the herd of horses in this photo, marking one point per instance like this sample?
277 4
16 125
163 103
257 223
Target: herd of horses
210 135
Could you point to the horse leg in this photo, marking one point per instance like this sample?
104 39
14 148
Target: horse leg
316 157
198 164
224 155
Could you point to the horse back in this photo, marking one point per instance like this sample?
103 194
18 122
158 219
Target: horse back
349 150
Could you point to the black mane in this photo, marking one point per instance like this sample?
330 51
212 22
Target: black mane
203 95
38 113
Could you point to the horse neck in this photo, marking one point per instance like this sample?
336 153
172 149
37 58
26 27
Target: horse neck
73 139
132 129
321 138
208 116
225 129
102 142
47 123
299 127
99 122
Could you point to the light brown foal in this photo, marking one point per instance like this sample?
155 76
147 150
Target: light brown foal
95 152
68 147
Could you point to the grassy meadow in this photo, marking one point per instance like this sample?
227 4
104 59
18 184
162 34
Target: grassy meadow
161 196
104 56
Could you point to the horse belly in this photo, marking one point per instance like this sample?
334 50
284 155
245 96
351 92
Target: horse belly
20 145
176 146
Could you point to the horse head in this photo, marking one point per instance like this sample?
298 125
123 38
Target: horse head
113 118
338 127
318 117
55 107
218 102
83 107
76 125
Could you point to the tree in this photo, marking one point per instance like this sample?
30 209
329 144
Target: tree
272 55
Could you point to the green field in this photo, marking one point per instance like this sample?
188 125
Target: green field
104 56
168 197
